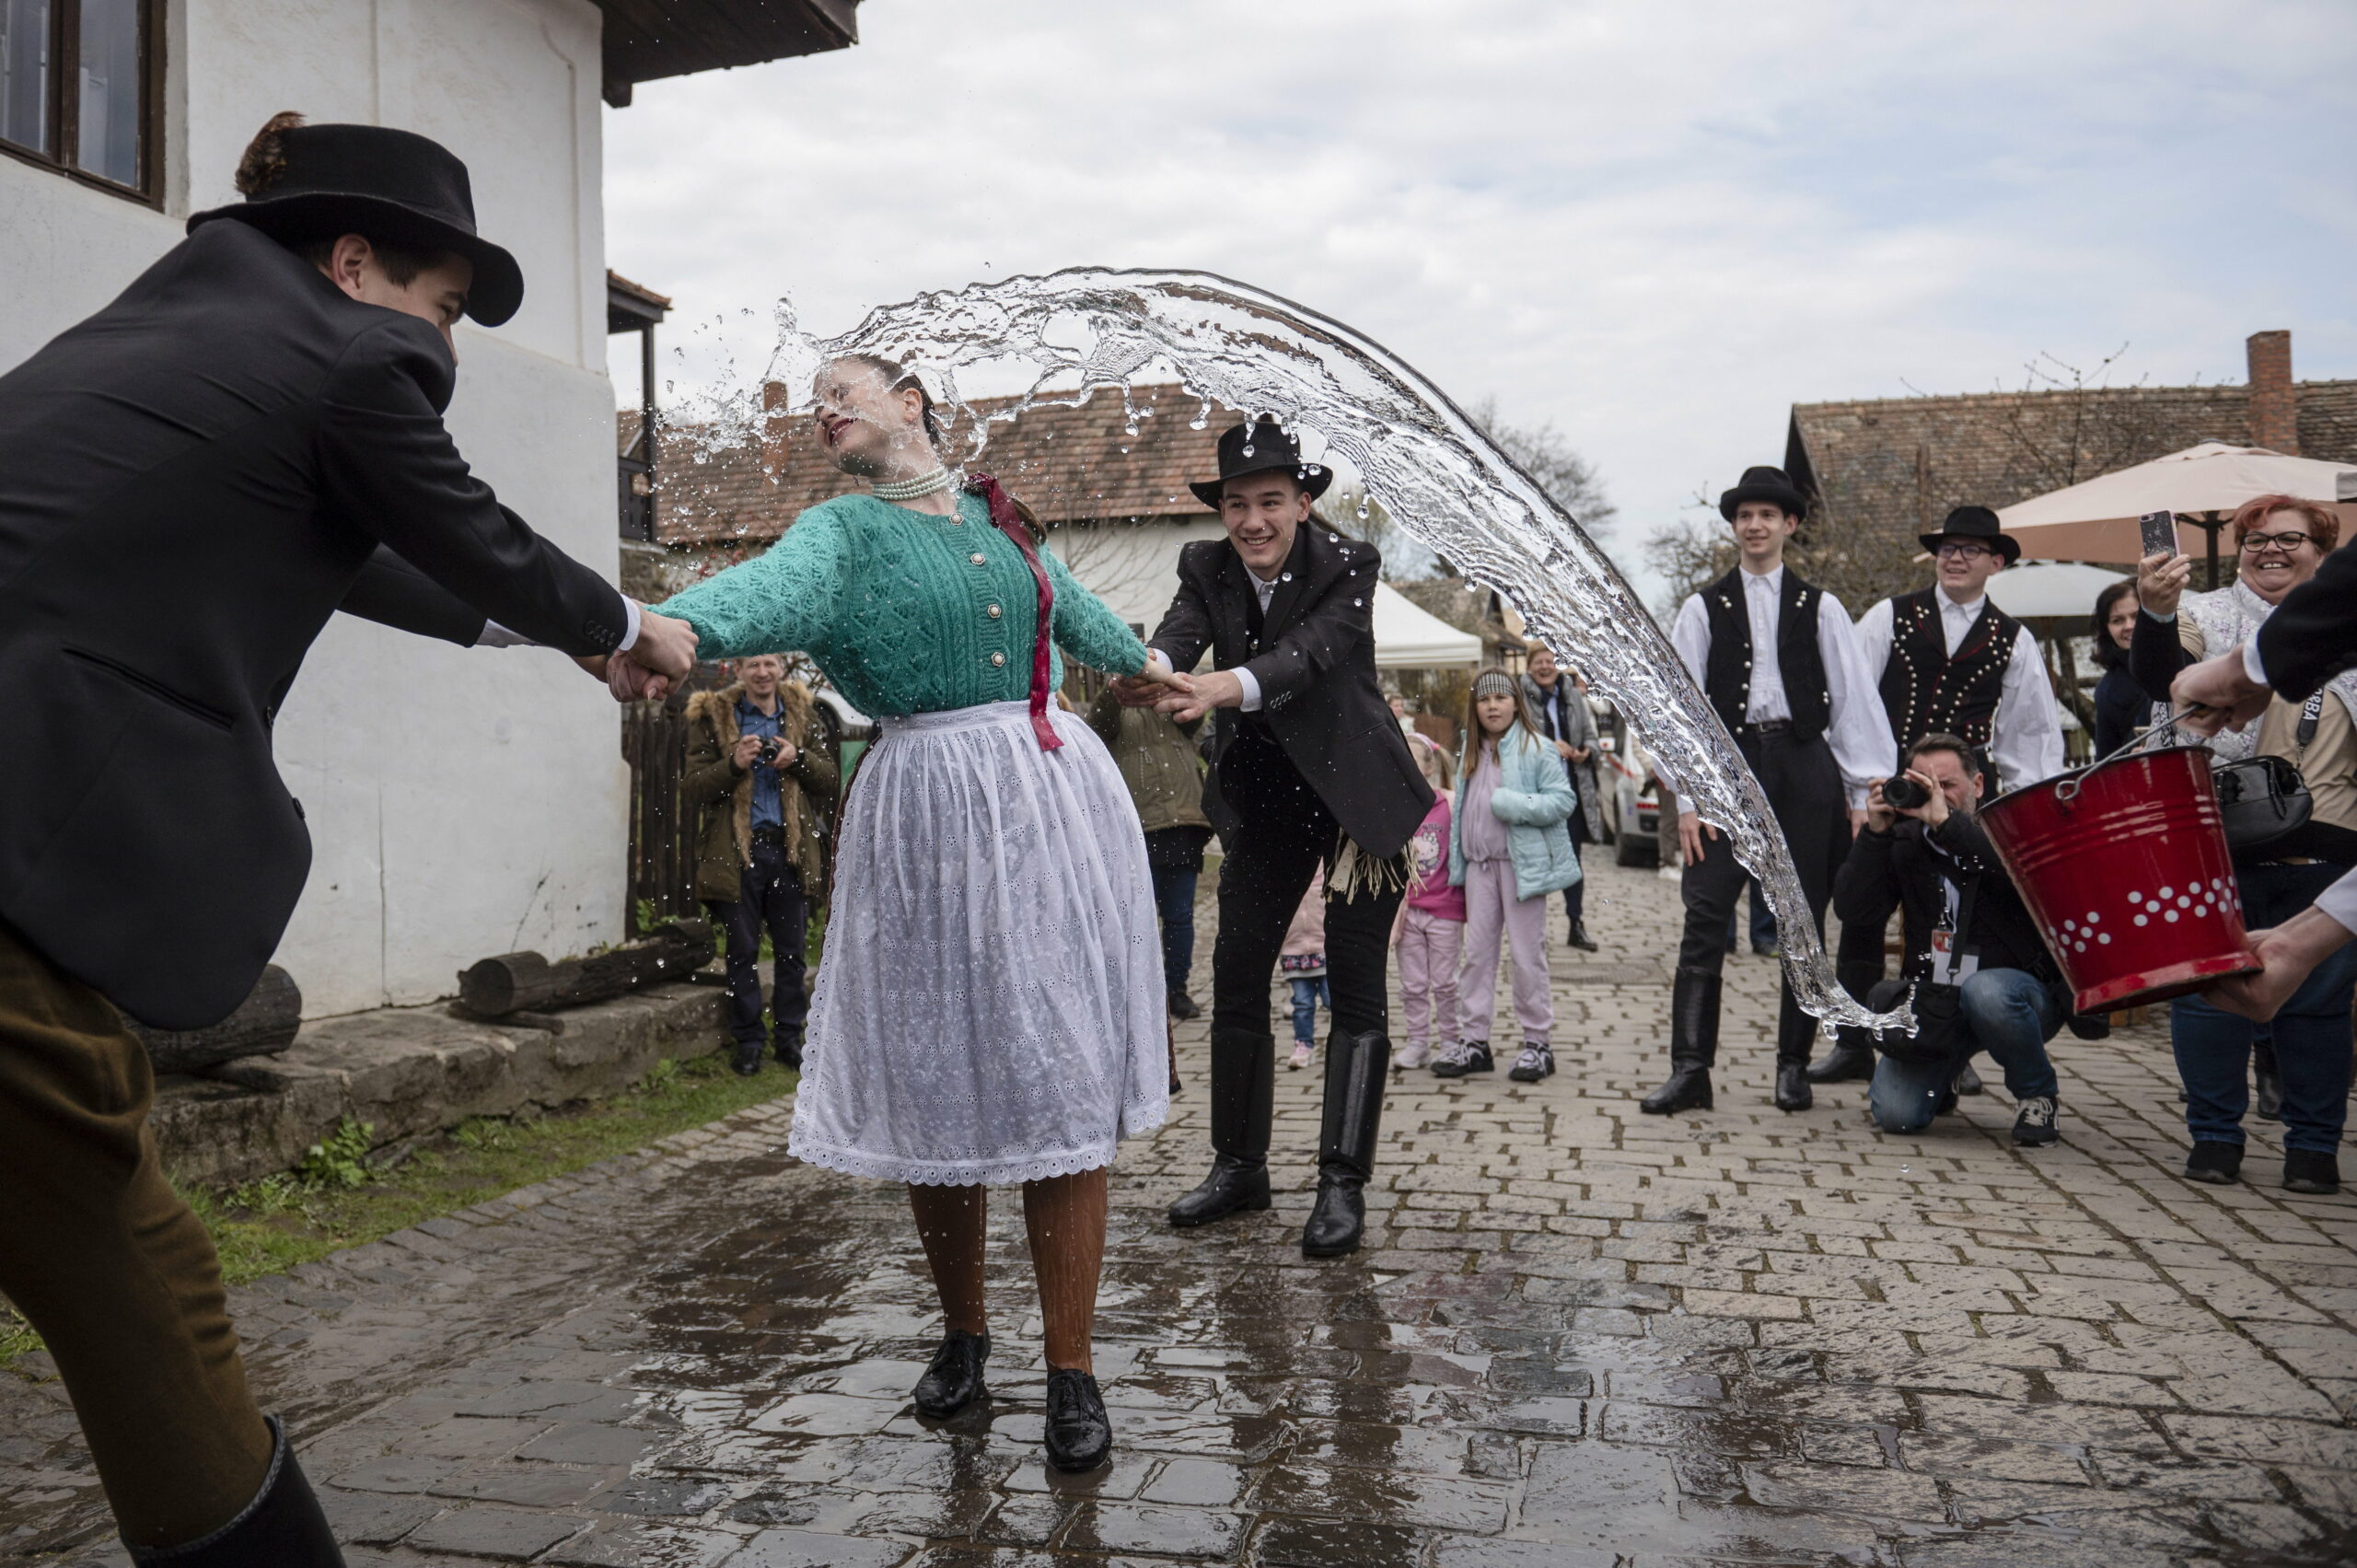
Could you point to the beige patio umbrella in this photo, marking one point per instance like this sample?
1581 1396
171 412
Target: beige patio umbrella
2097 520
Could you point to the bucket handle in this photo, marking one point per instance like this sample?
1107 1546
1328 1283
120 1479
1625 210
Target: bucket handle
2068 790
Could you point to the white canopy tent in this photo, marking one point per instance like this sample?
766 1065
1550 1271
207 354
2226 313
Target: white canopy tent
1408 636
2096 520
2050 590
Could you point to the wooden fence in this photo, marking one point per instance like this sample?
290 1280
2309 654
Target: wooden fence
662 822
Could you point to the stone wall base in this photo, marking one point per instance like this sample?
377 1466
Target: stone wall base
415 1071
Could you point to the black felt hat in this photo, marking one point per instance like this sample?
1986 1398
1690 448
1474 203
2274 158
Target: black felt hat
1979 524
304 182
1256 449
1764 483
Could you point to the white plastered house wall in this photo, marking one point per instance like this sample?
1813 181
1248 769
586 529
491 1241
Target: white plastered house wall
460 803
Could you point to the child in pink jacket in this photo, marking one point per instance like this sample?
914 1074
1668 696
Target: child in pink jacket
1430 932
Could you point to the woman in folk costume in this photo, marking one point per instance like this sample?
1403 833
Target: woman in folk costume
991 1007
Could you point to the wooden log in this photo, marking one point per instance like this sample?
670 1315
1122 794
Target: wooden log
264 1023
525 982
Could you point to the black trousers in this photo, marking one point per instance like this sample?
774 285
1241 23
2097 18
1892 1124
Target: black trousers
1575 896
771 898
1284 831
1804 790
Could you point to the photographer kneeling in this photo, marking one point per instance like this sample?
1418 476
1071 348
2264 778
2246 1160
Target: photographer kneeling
1983 977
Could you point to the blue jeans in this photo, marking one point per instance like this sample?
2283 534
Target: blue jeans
1307 995
1173 901
2311 1033
2011 1015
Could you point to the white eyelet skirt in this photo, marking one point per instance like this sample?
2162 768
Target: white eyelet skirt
990 1007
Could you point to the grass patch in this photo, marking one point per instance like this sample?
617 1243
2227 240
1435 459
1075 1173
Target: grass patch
339 1198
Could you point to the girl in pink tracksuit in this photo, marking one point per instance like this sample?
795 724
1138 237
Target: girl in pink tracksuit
1508 850
1429 933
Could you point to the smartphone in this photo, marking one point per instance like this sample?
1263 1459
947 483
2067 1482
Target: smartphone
2160 532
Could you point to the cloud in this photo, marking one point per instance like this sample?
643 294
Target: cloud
1655 225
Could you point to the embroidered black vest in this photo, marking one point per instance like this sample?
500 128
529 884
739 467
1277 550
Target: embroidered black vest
1927 692
1726 674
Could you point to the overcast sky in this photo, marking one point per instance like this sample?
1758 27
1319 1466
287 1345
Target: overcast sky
1655 224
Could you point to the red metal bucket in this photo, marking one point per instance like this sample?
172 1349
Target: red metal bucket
2124 866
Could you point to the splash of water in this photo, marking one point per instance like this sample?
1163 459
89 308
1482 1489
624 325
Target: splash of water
1085 329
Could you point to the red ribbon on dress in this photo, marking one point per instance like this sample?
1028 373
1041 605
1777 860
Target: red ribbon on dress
1010 523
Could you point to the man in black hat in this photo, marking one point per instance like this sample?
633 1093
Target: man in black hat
1779 663
1313 768
191 482
1949 662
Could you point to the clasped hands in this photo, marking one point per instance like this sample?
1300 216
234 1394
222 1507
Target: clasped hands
663 655
1185 698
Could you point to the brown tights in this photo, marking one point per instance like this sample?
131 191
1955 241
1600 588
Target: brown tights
1065 1217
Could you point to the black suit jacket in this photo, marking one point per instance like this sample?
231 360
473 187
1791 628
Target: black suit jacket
1314 662
2312 635
191 482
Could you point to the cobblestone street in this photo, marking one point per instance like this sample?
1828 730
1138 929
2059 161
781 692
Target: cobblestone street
1578 1336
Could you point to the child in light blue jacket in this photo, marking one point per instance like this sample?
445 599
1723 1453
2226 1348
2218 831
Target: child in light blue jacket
1509 848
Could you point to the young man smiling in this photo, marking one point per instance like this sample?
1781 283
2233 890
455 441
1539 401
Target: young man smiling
1312 764
1779 663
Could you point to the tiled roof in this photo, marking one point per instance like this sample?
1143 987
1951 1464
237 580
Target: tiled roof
1896 465
1066 463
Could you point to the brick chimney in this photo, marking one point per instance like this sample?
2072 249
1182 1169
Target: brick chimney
2274 401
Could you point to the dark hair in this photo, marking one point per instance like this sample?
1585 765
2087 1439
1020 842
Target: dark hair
897 377
263 163
1954 746
2108 654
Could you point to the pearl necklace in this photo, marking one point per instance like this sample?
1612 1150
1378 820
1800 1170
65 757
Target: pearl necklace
909 489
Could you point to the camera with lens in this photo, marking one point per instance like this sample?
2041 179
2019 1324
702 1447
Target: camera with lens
1903 793
771 747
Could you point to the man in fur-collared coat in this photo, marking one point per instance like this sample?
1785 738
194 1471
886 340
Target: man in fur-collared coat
758 764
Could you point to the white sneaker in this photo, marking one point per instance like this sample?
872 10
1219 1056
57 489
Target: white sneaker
1412 1057
1300 1057
1535 1063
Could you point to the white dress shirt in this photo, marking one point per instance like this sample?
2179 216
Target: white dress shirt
2026 732
1857 729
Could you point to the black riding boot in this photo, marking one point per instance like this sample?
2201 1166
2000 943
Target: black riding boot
282 1526
1796 1036
1244 1089
1693 1045
1356 1068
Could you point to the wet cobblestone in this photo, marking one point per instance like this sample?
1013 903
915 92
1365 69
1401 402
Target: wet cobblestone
1579 1336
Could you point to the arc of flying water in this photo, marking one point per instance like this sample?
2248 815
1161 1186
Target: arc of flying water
1432 469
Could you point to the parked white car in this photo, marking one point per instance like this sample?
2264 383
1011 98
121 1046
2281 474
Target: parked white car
1634 794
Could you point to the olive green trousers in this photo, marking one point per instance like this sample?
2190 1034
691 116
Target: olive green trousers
111 1266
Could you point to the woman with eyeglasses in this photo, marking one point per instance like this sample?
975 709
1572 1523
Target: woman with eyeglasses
2281 541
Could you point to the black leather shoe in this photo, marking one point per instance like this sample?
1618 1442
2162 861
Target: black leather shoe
1079 1435
1846 1061
1232 1187
283 1526
1793 1092
747 1060
1580 938
955 1378
1968 1082
1183 1006
1337 1219
787 1048
2311 1170
1693 1044
2218 1163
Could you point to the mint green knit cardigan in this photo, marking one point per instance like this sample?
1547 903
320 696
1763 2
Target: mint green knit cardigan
906 612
